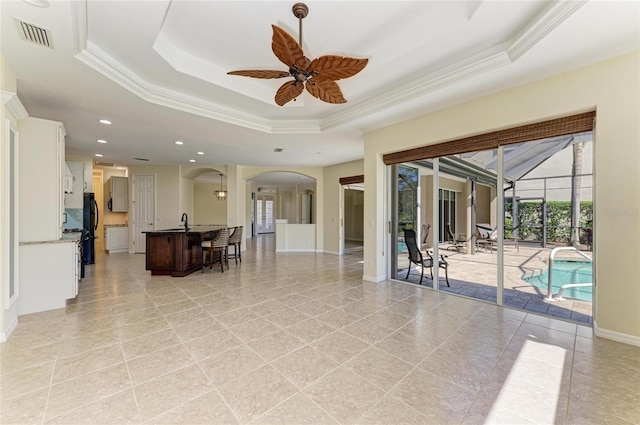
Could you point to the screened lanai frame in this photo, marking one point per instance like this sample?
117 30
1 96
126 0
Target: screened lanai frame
527 157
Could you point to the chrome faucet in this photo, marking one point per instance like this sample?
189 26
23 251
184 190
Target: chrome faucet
185 220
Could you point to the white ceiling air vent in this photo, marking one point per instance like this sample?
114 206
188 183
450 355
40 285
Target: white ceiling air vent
34 34
104 163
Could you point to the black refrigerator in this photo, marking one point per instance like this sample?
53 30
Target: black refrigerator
90 215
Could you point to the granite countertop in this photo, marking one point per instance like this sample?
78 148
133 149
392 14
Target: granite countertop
66 238
196 228
116 225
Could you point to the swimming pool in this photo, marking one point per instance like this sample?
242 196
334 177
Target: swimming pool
566 272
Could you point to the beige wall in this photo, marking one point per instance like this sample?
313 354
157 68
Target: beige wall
167 177
612 88
207 208
330 225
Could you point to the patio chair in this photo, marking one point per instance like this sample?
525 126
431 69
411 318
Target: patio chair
488 237
416 257
457 242
424 234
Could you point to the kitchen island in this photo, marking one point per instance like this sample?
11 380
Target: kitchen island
177 252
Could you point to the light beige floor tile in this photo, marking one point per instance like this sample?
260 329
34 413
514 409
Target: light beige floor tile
149 343
254 329
268 307
485 411
314 308
340 346
211 344
360 309
134 316
469 372
310 330
166 295
297 410
293 300
197 328
119 408
26 409
367 331
551 323
88 342
204 410
231 364
439 400
391 411
337 318
87 362
254 394
547 335
287 317
172 390
389 319
186 316
344 395
68 395
237 317
150 366
76 328
379 367
406 348
275 345
304 366
15 360
142 327
175 307
15 384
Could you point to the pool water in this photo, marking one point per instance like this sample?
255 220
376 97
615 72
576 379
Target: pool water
565 272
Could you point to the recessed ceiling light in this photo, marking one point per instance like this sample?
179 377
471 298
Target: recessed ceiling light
102 141
178 142
107 122
99 155
121 168
200 153
192 160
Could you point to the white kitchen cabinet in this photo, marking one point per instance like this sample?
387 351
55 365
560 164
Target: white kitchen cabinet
116 191
88 177
41 179
48 275
116 239
75 198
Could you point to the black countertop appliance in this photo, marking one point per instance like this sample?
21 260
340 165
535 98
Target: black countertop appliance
90 216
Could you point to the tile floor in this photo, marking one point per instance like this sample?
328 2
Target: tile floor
301 339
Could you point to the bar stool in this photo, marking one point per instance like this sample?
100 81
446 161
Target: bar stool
235 240
219 244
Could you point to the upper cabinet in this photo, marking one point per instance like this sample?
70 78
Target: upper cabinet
88 177
74 199
116 191
41 179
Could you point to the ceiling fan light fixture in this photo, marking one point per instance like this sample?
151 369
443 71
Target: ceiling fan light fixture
318 76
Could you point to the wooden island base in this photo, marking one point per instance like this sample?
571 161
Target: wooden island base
176 252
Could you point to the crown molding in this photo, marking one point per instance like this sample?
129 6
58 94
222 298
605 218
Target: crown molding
534 32
550 18
13 104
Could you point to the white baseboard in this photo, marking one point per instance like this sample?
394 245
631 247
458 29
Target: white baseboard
374 279
4 336
616 336
332 252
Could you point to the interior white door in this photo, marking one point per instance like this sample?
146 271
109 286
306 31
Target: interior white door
144 188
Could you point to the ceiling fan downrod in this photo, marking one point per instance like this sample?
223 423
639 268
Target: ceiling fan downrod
300 11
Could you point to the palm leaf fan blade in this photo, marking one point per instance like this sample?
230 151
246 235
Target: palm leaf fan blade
334 68
327 91
287 49
286 92
260 73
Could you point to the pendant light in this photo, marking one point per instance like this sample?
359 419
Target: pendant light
221 194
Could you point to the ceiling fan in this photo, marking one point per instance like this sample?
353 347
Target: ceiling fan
319 76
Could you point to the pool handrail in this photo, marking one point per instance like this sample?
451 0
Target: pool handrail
552 254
